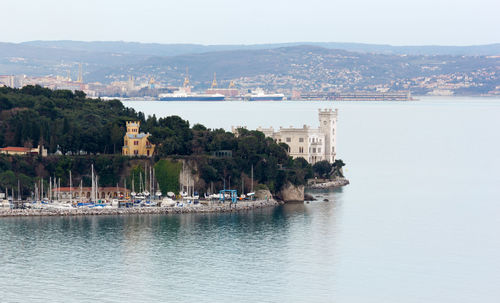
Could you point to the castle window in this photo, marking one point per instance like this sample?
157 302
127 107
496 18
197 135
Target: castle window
301 150
301 139
288 139
136 152
314 150
319 150
136 142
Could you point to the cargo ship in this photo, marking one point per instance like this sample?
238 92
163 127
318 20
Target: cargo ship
260 95
183 95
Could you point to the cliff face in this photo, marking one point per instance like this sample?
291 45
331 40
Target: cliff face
263 194
189 176
292 193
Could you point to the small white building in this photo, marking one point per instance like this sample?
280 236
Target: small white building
312 144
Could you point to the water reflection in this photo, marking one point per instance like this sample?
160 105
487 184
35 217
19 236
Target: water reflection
236 253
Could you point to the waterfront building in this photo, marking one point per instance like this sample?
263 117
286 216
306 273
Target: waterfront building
7 80
66 193
355 96
135 143
312 144
24 151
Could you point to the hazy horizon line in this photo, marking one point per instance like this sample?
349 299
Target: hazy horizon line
250 44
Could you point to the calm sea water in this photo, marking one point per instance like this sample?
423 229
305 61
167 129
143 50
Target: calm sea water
419 222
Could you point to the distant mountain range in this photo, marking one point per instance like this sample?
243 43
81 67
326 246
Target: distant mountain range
283 66
303 63
155 49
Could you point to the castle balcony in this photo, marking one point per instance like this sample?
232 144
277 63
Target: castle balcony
316 143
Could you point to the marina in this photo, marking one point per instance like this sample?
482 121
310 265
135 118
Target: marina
95 200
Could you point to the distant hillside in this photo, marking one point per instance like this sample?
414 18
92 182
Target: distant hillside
45 60
282 67
309 68
156 49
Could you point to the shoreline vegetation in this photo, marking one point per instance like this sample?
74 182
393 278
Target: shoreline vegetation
79 132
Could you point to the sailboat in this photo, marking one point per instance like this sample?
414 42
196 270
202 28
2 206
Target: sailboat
158 191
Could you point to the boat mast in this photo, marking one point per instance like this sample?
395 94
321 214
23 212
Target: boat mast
70 189
251 190
97 187
140 182
92 186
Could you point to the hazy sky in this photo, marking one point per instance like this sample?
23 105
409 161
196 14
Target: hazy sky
398 22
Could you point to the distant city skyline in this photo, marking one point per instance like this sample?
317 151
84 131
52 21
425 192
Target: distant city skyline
425 22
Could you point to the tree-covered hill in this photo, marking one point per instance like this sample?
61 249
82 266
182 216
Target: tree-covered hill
89 131
62 119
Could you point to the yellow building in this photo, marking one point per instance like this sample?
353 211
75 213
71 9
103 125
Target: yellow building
135 143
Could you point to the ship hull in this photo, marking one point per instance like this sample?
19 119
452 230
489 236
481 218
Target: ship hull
192 98
264 98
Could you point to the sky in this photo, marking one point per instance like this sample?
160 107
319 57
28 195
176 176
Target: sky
396 22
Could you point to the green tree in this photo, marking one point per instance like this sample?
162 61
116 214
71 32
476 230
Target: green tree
322 169
116 136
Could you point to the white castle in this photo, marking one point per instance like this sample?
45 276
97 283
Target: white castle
312 144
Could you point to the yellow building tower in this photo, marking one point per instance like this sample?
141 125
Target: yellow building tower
135 143
214 82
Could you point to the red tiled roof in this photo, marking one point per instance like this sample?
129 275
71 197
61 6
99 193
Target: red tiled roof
17 149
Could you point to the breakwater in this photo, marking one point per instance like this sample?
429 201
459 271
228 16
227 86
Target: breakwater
329 184
213 208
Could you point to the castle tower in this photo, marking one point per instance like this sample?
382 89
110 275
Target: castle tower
327 125
133 127
136 143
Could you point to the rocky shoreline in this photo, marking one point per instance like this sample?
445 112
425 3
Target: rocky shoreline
329 184
215 208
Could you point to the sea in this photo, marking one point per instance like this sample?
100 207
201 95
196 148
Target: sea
420 221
